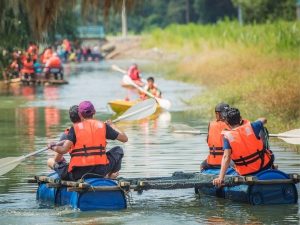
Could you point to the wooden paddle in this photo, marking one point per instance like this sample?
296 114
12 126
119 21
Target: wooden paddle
138 111
291 137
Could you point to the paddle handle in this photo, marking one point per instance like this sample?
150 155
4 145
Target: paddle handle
116 68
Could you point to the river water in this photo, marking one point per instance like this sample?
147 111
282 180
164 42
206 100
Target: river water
32 116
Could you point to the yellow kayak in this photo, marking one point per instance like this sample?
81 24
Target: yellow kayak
119 106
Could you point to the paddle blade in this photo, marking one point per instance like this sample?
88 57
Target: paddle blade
291 140
139 111
291 137
290 133
164 103
8 164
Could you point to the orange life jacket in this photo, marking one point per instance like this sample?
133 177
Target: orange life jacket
247 152
53 62
90 146
215 142
27 67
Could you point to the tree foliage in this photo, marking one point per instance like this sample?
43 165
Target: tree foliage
261 11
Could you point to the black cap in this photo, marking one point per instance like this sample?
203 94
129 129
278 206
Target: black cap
233 116
221 107
73 113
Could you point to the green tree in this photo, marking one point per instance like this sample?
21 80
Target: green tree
261 11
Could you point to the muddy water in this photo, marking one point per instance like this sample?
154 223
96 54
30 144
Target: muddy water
32 116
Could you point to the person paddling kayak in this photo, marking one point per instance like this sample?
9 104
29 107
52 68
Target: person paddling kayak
134 73
244 145
151 87
86 143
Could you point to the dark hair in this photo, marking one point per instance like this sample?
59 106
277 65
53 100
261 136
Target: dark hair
73 113
150 79
232 116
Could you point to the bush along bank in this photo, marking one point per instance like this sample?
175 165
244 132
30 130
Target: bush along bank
254 67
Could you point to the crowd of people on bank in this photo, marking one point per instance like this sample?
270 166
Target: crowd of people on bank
34 64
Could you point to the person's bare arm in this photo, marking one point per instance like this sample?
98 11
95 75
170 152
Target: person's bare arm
263 120
224 166
61 149
122 136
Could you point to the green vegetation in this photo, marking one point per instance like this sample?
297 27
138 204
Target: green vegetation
148 14
255 67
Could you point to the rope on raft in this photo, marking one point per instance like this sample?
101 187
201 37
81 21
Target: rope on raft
176 181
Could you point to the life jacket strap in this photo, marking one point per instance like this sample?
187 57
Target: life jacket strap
245 161
86 151
87 154
215 151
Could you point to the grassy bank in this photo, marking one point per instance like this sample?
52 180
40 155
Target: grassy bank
255 67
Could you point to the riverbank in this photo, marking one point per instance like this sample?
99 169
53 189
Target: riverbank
255 68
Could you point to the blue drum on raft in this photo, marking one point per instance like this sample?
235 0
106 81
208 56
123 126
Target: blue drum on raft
256 194
84 200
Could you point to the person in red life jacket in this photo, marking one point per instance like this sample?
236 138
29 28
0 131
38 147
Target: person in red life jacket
58 163
245 146
134 74
53 66
27 70
215 139
46 55
151 88
86 143
33 50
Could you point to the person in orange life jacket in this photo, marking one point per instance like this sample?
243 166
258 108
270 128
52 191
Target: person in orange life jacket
86 143
151 88
244 145
134 74
27 70
58 163
53 65
215 139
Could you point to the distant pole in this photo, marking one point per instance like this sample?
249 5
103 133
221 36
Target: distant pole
124 20
240 14
298 9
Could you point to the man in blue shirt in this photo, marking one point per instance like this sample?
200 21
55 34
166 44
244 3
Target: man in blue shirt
244 145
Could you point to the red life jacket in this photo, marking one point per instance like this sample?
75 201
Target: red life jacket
134 73
90 146
27 67
46 55
215 142
247 152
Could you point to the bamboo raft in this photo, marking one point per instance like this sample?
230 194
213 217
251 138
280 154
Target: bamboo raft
45 81
105 194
